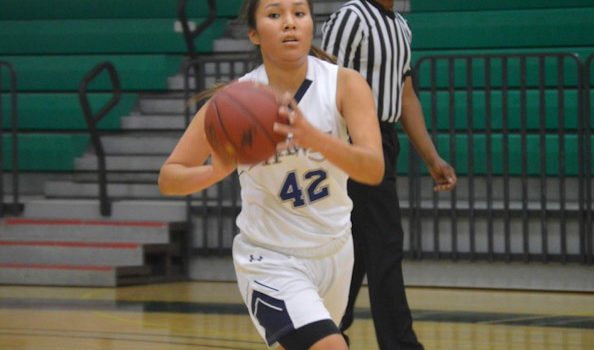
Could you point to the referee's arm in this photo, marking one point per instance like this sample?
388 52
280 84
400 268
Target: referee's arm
413 123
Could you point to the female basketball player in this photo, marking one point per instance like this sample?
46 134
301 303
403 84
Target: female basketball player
293 256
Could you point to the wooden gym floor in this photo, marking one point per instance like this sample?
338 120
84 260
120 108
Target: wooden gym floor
200 315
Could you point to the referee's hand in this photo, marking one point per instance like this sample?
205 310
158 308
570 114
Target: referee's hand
444 175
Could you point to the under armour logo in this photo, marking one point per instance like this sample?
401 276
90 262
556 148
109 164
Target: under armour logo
253 258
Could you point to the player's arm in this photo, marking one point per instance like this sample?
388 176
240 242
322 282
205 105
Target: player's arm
362 160
185 171
365 162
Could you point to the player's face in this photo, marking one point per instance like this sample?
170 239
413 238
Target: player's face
284 29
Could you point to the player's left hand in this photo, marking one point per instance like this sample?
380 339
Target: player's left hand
298 130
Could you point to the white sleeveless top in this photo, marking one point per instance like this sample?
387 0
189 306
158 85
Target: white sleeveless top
297 201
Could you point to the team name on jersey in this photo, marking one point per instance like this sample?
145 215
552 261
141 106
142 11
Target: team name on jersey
293 152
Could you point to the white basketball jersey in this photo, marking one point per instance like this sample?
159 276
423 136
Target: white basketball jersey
297 201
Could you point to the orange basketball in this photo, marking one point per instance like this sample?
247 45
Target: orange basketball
239 122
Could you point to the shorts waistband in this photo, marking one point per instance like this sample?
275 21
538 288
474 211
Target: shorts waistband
321 252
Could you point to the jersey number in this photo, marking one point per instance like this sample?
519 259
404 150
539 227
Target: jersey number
292 191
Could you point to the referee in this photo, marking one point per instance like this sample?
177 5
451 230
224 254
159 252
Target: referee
368 36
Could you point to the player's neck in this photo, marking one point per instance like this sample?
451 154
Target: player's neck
387 4
286 78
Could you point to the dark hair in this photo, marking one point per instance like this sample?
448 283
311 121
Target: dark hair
248 16
248 11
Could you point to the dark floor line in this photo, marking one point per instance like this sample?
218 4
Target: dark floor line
134 334
562 321
173 343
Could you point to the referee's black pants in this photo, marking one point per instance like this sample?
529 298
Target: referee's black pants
378 239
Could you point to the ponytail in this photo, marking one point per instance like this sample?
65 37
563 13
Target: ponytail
206 94
321 54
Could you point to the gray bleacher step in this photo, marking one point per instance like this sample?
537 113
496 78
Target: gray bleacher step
463 189
73 275
445 206
70 253
170 103
31 183
88 162
69 189
326 7
122 190
162 122
432 273
143 178
140 143
177 82
231 67
244 45
514 205
150 279
173 210
45 275
232 45
463 192
402 5
445 229
84 231
446 234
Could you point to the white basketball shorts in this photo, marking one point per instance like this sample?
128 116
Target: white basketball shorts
284 293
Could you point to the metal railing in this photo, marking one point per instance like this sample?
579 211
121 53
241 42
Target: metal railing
587 233
522 192
214 209
15 207
191 34
513 203
93 119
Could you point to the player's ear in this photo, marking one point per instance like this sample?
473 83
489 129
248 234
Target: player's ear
254 37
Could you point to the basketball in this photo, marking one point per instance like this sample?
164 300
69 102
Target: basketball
239 122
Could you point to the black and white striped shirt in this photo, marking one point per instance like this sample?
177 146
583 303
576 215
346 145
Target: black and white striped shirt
376 42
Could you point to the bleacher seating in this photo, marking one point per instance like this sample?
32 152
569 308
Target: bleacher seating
88 9
49 73
482 5
457 27
52 45
42 112
100 36
534 28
